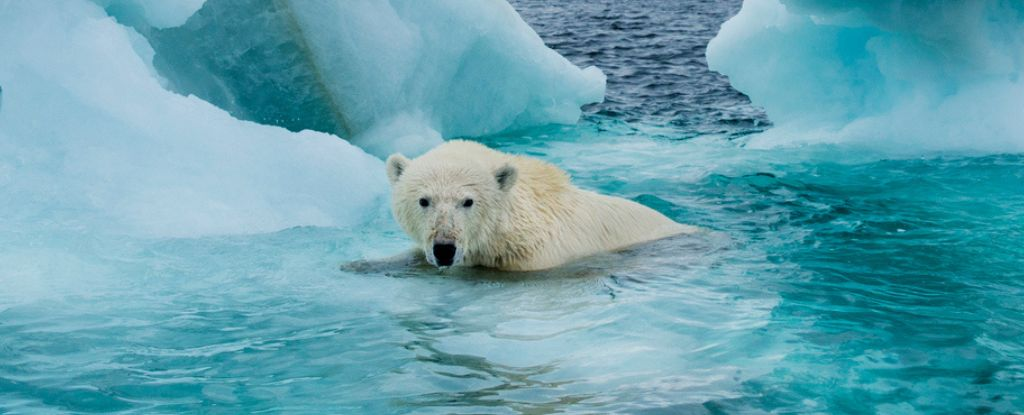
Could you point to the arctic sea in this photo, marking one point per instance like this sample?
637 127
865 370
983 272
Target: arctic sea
836 278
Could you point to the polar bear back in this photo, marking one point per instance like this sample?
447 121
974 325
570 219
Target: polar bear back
547 221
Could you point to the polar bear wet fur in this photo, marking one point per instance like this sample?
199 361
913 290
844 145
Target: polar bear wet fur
463 203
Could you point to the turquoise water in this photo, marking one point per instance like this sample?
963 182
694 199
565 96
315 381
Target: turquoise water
838 286
835 279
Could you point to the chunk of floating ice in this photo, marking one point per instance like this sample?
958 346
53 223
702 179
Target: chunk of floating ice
89 140
901 75
444 68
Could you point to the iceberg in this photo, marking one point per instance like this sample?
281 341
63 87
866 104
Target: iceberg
136 116
153 13
907 75
91 142
395 75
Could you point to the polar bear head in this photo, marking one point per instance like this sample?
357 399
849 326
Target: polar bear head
451 204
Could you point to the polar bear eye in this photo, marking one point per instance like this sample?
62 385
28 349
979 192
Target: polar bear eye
467 203
424 202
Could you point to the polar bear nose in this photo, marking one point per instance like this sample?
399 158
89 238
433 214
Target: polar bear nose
444 252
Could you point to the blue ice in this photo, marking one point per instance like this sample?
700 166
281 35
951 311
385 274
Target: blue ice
386 75
903 75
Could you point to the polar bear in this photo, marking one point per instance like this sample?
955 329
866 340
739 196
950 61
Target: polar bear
466 204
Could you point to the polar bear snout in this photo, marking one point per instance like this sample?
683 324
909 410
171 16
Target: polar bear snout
444 253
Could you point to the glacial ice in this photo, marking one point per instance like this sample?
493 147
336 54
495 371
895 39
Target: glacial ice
389 76
92 138
153 13
907 75
91 142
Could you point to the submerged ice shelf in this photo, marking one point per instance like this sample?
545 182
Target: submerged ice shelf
905 75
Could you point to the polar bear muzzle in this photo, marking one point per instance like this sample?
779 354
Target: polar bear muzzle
444 253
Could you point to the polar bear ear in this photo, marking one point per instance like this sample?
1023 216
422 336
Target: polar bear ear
396 165
506 177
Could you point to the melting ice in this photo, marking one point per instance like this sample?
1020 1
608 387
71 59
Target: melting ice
387 75
91 138
875 286
905 75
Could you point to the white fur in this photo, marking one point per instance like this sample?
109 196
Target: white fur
526 214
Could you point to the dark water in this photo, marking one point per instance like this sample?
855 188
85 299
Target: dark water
653 54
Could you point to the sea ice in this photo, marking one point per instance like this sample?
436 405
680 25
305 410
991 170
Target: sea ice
902 74
154 13
389 76
91 142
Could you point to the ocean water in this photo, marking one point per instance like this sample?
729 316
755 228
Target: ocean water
834 279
